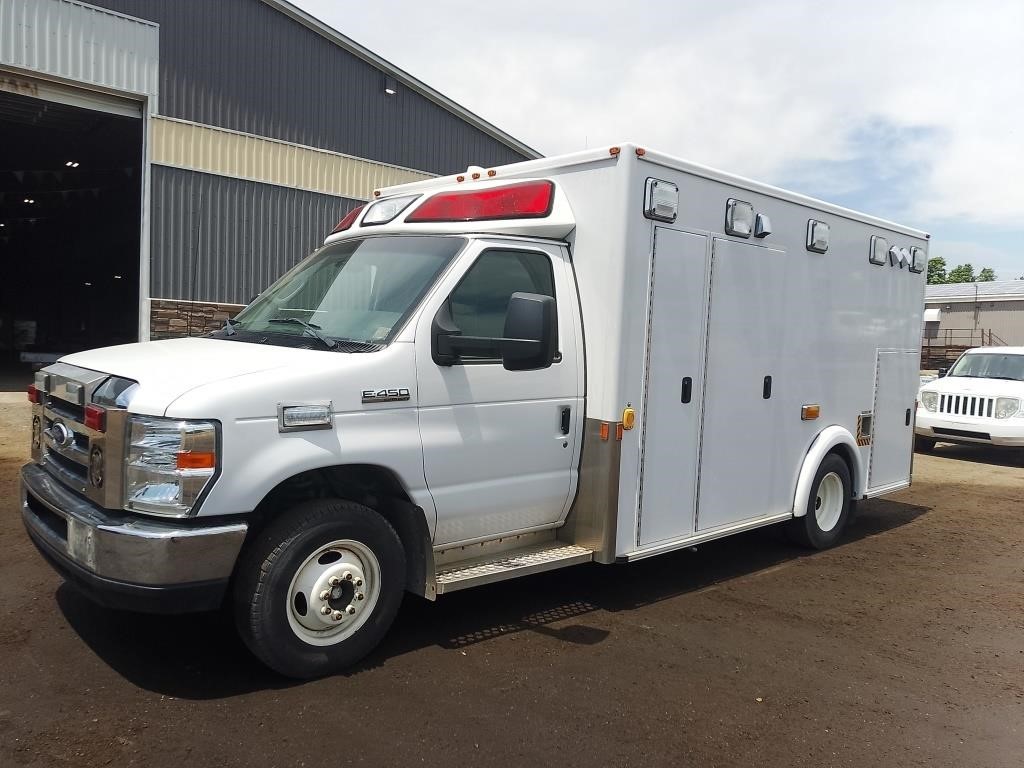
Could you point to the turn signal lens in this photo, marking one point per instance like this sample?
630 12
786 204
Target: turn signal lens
810 412
628 418
197 460
33 394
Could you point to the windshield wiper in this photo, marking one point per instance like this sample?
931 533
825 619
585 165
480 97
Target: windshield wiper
229 326
313 330
1004 378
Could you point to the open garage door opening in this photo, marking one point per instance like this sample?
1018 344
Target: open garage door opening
70 218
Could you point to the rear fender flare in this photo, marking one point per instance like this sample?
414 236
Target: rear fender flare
833 439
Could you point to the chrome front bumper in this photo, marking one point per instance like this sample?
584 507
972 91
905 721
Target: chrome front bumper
138 558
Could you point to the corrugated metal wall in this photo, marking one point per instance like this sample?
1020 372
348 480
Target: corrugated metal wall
243 65
224 240
1003 318
75 42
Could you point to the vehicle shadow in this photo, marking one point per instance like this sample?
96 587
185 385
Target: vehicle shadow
200 656
980 454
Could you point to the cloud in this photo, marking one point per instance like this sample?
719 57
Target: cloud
910 110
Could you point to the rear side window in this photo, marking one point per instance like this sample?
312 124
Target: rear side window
479 302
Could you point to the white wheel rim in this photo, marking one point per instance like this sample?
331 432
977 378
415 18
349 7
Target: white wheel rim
338 586
828 503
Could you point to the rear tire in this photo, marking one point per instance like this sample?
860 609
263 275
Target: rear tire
829 506
319 587
924 444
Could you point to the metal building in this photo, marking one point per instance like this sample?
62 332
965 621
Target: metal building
958 316
163 161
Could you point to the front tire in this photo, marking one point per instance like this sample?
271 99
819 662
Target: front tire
319 587
828 506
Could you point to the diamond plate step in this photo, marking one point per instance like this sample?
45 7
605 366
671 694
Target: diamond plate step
508 565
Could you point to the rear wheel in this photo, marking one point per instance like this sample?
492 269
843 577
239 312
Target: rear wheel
318 589
924 444
828 506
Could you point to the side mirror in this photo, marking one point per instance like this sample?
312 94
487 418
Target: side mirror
943 372
529 341
530 338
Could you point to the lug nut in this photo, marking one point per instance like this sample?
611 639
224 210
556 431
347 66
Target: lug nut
359 582
351 610
337 615
325 595
334 581
347 576
325 610
360 595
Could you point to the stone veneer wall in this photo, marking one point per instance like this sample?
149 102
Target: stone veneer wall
171 319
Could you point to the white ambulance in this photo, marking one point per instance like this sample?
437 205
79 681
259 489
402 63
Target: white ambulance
597 357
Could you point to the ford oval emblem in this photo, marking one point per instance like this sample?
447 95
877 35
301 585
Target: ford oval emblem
62 436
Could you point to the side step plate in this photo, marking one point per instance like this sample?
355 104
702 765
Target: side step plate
510 564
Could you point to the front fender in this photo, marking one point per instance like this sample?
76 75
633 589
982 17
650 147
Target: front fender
828 439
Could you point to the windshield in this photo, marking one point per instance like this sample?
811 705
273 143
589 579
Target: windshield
358 290
990 365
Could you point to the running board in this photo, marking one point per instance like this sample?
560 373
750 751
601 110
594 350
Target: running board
510 564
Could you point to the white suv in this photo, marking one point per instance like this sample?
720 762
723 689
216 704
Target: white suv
977 401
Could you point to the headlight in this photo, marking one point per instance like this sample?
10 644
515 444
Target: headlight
170 462
930 400
1006 407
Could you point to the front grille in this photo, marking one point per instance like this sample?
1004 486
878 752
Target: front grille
966 405
70 411
961 433
71 467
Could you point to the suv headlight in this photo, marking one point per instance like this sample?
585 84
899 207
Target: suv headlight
930 400
1006 407
170 462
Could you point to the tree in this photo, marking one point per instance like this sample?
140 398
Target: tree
962 273
936 270
987 275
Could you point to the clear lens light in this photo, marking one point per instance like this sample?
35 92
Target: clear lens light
153 482
1006 407
930 400
385 210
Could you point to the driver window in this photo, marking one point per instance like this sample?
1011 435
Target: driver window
479 302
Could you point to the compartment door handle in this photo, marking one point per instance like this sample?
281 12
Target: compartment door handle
687 393
766 388
566 419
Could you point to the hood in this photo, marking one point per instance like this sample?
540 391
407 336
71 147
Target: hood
966 385
166 370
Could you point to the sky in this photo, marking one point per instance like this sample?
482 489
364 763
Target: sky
905 109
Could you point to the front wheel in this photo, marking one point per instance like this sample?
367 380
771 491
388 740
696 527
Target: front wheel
319 587
828 506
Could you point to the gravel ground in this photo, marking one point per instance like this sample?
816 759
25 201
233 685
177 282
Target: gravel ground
902 647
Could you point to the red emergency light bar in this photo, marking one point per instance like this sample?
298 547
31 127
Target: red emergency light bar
349 220
527 200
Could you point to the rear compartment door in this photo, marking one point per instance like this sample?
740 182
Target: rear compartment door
897 378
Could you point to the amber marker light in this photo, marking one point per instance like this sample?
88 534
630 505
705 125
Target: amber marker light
604 432
197 460
613 151
810 412
628 418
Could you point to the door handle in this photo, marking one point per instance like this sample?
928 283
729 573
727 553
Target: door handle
766 388
906 421
566 419
687 392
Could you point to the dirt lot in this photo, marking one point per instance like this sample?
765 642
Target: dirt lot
903 647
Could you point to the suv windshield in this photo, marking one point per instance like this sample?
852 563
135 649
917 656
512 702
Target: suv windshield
358 291
990 365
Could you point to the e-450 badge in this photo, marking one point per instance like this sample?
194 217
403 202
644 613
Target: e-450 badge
385 395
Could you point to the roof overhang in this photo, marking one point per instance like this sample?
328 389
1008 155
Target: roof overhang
385 66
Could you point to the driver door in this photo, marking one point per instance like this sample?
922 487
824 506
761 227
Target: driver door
500 448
